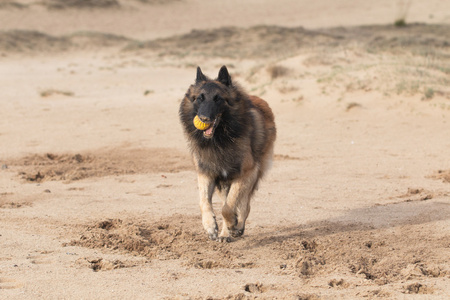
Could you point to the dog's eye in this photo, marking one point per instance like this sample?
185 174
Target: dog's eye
200 98
217 98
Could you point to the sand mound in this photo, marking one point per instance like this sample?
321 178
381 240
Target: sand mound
26 41
275 41
254 42
78 4
72 167
23 40
352 250
178 237
12 5
443 175
233 42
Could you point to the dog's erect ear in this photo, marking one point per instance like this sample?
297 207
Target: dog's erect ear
224 77
200 76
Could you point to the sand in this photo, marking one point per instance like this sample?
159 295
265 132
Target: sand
98 194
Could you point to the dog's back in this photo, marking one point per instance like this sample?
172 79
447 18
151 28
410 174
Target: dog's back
264 134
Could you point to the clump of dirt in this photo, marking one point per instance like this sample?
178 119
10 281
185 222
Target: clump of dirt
240 296
418 270
443 175
353 105
14 204
334 283
308 265
364 266
254 287
418 288
100 264
72 167
415 194
51 92
307 297
207 264
377 293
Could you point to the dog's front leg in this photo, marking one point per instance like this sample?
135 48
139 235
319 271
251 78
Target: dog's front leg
237 207
206 189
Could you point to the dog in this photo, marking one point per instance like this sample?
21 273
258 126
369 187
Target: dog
231 144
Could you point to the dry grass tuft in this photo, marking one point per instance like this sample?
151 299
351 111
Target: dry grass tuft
278 71
64 4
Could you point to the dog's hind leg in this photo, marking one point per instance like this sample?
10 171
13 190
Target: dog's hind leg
237 207
206 188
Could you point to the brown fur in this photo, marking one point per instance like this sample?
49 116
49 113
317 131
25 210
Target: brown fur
232 158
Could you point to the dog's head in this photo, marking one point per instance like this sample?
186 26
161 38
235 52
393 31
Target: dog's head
207 101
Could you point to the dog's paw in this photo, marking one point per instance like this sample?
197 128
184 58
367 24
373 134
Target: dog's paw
213 236
224 239
213 233
236 232
210 226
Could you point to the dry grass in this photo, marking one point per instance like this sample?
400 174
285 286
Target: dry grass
403 8
412 61
411 74
278 71
64 4
4 4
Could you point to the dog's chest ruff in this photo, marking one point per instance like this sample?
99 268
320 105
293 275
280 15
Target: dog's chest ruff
224 174
218 165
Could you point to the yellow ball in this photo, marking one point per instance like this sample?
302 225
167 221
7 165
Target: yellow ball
200 125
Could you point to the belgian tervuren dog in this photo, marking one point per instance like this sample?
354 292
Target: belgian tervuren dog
231 136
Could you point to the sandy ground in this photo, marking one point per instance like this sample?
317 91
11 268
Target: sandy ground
98 196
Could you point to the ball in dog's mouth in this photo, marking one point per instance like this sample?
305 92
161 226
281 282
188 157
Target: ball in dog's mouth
208 132
201 125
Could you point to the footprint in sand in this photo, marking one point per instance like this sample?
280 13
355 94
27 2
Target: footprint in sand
9 283
40 258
